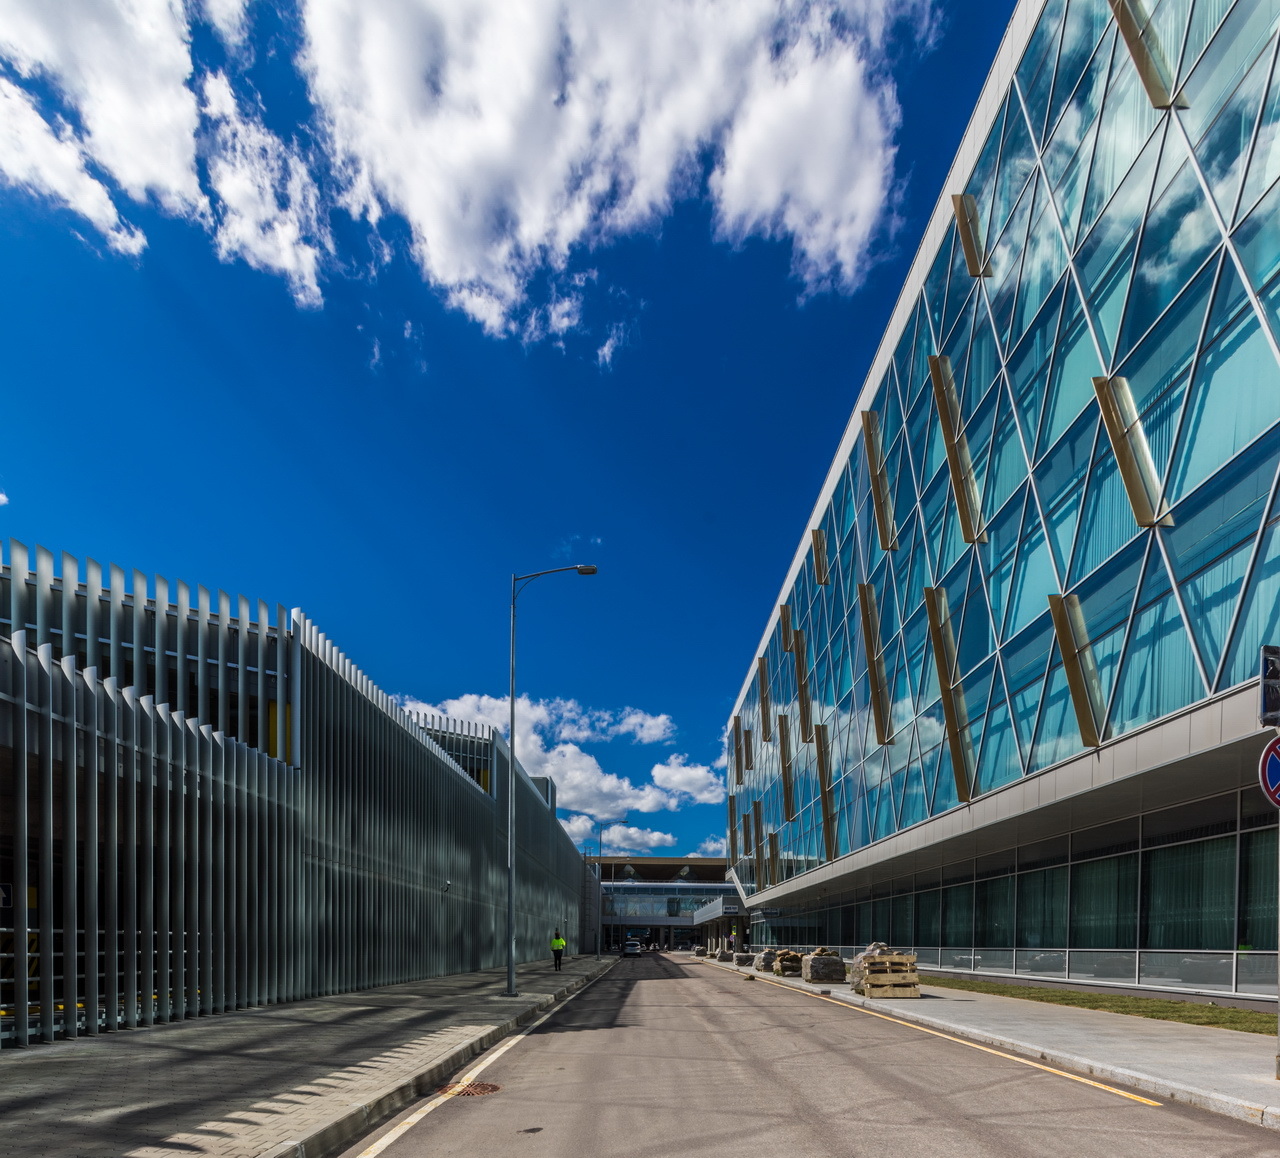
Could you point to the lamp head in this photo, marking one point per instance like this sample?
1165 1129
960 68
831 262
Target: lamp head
586 568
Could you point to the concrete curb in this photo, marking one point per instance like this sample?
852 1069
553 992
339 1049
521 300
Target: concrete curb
353 1121
1258 1113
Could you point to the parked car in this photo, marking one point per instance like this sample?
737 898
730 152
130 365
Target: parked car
632 949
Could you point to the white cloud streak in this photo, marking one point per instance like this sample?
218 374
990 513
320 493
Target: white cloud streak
548 738
624 838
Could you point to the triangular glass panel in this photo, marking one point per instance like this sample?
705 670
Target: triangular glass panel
1008 463
921 348
1179 236
1034 578
1225 147
1044 262
935 286
944 790
1024 659
956 585
977 640
902 354
1106 521
998 554
983 178
886 822
1166 353
977 433
950 542
1258 242
1006 264
1017 162
984 360
915 803
1085 22
1159 674
1058 734
902 708
1106 597
1000 763
960 288
977 695
887 403
1060 480
1233 50
1235 395
933 511
1126 124
956 347
1264 166
1166 29
931 726
915 638
1029 363
1212 538
1068 192
927 449
1075 364
1035 71
1259 614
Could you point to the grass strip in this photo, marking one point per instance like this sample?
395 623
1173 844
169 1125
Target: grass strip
1187 1012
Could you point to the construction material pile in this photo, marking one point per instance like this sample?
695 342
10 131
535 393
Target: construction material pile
787 963
765 960
822 965
879 972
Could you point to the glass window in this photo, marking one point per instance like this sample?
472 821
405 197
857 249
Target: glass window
1104 903
928 909
1042 909
1258 893
957 916
1241 39
1189 895
993 913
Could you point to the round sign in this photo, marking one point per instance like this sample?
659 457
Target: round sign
1269 771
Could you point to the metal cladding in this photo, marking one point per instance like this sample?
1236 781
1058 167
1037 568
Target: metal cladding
253 821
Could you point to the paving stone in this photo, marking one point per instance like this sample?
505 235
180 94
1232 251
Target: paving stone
240 1084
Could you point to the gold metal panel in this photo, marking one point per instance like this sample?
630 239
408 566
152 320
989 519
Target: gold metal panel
964 483
775 866
802 685
748 749
954 713
821 569
784 625
969 228
1133 453
870 615
1079 666
881 497
766 708
733 828
1146 52
784 760
737 749
822 744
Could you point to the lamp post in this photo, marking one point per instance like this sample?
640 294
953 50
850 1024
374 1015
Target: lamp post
518 584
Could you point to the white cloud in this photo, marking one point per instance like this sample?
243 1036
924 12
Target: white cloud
696 781
268 205
508 134
548 738
579 827
228 17
122 65
624 838
4 499
712 846
33 157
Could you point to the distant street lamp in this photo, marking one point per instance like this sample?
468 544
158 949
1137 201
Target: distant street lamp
518 584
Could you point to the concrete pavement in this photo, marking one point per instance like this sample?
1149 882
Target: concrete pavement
665 1057
297 1079
1221 1070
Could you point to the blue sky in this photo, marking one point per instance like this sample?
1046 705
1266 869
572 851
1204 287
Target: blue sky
361 306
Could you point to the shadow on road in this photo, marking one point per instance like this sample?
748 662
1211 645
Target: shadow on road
602 1004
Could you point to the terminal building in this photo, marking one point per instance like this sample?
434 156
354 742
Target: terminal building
1005 712
205 805
656 899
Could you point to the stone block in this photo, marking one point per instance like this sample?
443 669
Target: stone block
744 958
821 968
700 951
764 961
724 955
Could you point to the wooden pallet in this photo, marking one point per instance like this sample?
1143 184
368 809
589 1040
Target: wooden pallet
890 975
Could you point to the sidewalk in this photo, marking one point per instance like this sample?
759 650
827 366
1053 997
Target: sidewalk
1221 1070
300 1079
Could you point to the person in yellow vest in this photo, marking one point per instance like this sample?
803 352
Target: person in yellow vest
557 948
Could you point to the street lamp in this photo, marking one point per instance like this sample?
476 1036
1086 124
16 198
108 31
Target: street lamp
518 584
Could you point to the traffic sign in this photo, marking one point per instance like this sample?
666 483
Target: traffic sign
1269 771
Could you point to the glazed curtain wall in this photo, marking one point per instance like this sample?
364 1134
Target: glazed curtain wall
154 868
1127 259
1185 899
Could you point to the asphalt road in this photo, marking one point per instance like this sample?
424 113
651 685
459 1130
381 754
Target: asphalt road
666 1057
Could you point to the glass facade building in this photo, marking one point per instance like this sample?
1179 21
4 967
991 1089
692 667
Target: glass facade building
205 806
1048 549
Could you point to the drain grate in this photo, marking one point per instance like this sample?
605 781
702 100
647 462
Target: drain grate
470 1089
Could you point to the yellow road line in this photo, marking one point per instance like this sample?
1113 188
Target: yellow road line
470 1076
961 1041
